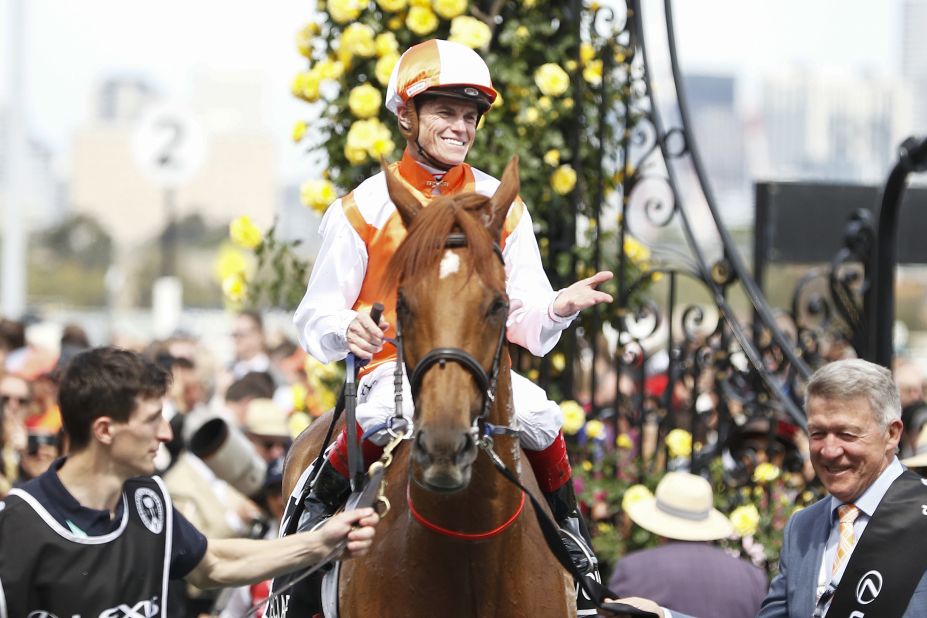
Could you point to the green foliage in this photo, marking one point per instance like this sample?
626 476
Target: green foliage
69 261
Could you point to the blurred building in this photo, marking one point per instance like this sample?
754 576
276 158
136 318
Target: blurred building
914 60
838 127
719 138
238 176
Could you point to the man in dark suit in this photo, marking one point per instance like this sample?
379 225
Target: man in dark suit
854 425
688 574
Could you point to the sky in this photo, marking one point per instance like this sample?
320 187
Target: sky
72 46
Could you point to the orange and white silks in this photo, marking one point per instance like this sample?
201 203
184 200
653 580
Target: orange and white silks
382 240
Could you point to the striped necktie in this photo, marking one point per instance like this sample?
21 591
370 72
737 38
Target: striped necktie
847 514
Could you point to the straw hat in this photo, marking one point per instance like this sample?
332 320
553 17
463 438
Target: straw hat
682 509
265 418
919 458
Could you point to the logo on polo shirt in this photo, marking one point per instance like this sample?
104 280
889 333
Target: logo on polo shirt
150 509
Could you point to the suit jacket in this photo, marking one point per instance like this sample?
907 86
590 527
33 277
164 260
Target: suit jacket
695 578
792 592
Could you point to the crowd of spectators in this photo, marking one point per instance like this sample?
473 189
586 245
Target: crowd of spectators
262 394
267 390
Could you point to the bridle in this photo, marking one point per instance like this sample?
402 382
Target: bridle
481 430
487 381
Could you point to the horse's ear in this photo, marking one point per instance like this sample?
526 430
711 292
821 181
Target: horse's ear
502 199
405 202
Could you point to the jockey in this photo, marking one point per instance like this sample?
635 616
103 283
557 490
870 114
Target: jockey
438 91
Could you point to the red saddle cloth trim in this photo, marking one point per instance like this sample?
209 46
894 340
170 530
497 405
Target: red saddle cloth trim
466 536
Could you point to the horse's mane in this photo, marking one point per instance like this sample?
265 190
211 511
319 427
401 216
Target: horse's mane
423 247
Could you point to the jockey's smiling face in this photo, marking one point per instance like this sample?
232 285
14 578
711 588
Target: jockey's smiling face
446 129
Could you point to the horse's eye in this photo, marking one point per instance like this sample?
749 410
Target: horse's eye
401 307
498 307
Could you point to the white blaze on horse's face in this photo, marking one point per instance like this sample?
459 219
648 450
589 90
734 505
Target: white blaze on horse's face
450 264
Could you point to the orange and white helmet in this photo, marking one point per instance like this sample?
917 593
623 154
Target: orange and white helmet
442 68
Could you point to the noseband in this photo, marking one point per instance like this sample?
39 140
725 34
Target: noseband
486 381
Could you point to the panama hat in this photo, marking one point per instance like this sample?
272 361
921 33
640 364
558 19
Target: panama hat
681 509
919 458
265 418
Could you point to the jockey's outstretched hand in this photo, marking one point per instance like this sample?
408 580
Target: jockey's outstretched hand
364 338
357 526
582 294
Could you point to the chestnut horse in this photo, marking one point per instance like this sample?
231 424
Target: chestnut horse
454 556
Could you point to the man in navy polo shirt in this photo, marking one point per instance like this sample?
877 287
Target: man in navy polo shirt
96 535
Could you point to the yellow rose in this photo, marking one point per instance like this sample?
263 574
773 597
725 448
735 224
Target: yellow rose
765 473
383 145
593 72
551 79
421 3
299 130
230 261
470 31
298 395
679 443
573 416
635 250
623 441
545 103
522 33
586 52
394 24
449 9
306 86
386 44
304 38
563 179
392 6
558 361
244 233
552 157
364 101
355 156
358 40
362 134
343 11
421 20
329 68
384 68
317 194
587 465
234 288
745 520
297 422
594 429
633 495
530 115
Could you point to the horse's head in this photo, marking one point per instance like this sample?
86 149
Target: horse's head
452 309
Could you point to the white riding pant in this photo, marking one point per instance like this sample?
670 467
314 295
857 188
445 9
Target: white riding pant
538 417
